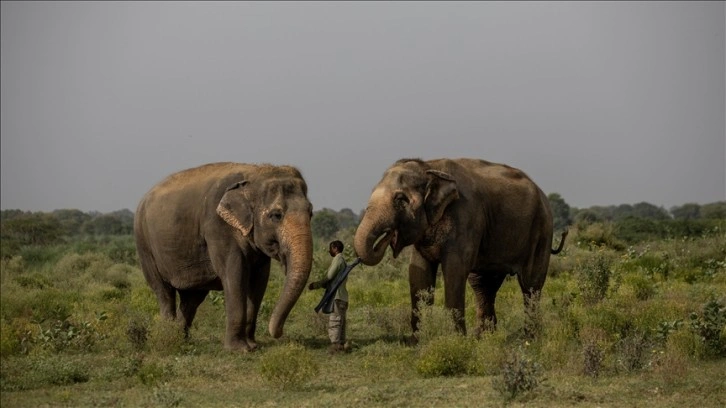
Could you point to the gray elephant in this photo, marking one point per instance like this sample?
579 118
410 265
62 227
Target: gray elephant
480 221
216 227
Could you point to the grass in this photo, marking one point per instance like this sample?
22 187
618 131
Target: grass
80 327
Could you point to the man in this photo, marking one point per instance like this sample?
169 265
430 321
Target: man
336 321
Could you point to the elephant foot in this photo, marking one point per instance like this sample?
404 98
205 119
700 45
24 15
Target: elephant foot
240 345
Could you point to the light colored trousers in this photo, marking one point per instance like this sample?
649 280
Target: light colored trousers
336 322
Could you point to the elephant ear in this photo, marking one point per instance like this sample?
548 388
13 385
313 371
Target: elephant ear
440 192
234 208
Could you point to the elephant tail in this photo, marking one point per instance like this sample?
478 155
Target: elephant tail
562 243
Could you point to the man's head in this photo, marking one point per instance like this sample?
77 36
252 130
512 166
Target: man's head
336 247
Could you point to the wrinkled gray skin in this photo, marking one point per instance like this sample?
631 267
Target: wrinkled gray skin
479 220
216 227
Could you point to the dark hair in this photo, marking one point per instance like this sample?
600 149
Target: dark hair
337 245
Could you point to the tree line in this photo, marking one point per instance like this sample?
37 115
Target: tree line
631 223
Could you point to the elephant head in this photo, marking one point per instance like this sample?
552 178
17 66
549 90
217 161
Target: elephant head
273 213
410 198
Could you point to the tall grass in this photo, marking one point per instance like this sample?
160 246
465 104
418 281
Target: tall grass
80 327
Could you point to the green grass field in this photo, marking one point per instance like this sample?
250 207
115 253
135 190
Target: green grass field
640 326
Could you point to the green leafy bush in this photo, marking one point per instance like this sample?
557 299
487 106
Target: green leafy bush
450 355
594 278
709 325
288 366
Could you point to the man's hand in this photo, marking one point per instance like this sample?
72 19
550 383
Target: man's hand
317 285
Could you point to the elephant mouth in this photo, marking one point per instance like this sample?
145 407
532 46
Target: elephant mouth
388 237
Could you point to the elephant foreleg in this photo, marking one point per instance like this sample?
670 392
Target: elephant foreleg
258 286
485 284
422 280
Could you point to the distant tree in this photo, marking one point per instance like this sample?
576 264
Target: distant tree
324 223
560 211
30 229
622 211
715 210
650 211
110 224
586 217
71 220
347 218
690 211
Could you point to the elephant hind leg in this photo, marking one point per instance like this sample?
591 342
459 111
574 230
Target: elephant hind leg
531 281
189 301
486 284
165 293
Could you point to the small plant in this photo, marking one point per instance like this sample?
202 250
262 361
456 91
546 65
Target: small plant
519 374
288 366
709 326
152 374
450 355
593 353
138 333
664 330
633 352
165 396
594 278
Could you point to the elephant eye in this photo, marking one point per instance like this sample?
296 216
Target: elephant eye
400 198
275 215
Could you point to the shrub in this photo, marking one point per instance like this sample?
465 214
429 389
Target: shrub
450 355
593 350
519 374
632 352
594 278
709 326
288 366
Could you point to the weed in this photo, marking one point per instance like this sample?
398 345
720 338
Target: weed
165 396
709 326
289 366
152 373
632 352
519 374
450 355
138 332
594 278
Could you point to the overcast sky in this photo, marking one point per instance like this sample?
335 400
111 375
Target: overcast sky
605 103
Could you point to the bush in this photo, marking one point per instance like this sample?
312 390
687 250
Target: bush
709 326
519 374
594 278
450 355
288 366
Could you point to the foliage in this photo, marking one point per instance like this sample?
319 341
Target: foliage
288 366
520 374
709 326
449 355
594 277
561 212
324 224
79 326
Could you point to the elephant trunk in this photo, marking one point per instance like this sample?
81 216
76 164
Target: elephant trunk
296 245
372 237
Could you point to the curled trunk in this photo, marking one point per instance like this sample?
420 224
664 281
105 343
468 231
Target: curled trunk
371 239
296 245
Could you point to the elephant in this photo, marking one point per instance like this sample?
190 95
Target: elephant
216 227
479 220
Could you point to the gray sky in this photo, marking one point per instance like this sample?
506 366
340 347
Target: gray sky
605 103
